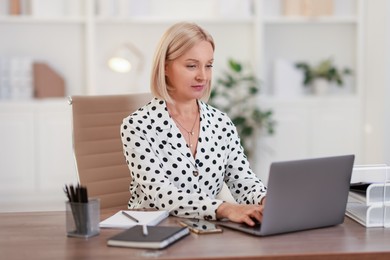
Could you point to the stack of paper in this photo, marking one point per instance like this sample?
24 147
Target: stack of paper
16 78
369 196
368 206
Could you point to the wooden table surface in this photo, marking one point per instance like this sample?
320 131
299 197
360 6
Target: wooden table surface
42 235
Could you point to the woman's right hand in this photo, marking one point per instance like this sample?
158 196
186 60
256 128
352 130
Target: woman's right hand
241 213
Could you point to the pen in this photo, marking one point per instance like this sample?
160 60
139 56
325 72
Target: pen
129 216
78 194
145 230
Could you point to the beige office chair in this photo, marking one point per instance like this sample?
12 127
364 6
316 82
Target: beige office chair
97 145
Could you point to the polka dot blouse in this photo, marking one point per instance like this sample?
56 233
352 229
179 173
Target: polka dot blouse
166 176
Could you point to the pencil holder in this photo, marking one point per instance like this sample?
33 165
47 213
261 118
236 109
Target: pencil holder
82 219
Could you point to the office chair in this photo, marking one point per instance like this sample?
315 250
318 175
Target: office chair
97 144
98 151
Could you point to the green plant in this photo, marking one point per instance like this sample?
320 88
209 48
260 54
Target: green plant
324 69
235 93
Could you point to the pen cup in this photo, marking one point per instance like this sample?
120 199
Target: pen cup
82 219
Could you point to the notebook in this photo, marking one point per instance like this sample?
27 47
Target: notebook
303 194
120 220
157 237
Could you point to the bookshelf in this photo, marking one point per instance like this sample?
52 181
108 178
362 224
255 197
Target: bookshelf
89 32
312 38
77 45
308 123
92 29
82 40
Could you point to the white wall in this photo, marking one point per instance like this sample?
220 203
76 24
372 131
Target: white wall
146 36
376 93
387 87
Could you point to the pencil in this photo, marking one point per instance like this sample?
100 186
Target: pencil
130 216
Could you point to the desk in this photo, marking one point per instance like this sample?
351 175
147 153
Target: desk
41 235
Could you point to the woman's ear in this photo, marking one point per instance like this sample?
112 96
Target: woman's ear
165 68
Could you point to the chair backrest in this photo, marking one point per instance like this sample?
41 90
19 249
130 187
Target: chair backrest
98 151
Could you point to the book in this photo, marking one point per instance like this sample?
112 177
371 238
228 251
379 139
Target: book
120 220
14 7
47 82
157 237
48 8
308 7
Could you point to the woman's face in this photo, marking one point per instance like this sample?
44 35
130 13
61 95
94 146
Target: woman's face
189 75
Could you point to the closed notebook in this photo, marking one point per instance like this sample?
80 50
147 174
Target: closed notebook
158 237
119 220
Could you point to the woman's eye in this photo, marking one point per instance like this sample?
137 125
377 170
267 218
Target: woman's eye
193 66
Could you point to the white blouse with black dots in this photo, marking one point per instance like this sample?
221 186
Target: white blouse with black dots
166 176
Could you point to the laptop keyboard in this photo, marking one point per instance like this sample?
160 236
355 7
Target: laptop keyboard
256 226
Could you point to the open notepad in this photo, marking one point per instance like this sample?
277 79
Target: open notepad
119 220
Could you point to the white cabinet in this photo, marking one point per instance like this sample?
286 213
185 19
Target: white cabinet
54 151
36 154
17 158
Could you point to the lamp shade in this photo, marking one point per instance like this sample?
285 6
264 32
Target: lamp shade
119 64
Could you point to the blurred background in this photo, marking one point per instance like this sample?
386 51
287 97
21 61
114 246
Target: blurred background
51 49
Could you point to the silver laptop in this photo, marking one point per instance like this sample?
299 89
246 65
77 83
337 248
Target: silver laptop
303 194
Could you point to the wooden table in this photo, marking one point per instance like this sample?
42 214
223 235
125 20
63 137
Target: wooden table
41 235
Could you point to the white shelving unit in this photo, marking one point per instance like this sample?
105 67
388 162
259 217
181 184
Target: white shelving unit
87 40
79 46
309 125
311 39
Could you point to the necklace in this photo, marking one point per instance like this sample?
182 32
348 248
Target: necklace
190 133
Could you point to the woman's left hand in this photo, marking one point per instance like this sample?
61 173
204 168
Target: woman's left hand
241 213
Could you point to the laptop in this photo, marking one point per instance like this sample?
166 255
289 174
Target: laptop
303 194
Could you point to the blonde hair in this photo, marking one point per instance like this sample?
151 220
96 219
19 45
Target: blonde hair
178 39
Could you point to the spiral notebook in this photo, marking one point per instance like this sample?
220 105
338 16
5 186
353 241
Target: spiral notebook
158 237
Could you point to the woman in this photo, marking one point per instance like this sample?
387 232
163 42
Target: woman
180 150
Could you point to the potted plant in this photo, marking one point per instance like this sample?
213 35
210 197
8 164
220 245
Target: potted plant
321 75
235 93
